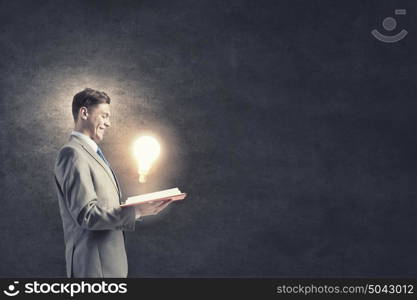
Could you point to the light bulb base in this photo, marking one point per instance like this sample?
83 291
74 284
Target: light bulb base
142 178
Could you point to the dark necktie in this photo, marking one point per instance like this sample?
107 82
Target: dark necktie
102 156
100 153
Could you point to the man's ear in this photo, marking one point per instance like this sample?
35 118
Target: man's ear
84 113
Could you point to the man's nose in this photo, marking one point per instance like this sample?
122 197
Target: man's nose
107 123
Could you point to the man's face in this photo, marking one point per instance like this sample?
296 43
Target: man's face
97 120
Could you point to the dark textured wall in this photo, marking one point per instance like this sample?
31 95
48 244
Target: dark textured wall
289 125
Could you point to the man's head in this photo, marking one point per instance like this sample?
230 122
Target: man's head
91 112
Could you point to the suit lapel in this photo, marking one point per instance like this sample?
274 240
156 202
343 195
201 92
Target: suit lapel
118 185
101 162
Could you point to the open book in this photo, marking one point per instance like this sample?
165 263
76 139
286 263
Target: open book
170 194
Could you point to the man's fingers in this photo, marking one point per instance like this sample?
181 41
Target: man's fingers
162 206
157 209
153 203
154 207
164 202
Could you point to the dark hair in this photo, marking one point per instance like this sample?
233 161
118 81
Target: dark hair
88 98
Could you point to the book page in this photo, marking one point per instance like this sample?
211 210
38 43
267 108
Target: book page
155 195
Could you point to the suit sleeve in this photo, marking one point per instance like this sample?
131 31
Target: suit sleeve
73 174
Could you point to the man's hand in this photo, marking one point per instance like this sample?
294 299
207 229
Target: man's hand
151 208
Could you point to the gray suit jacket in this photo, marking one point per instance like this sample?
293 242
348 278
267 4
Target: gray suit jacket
89 198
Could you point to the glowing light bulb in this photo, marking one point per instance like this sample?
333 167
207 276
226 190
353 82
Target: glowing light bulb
147 150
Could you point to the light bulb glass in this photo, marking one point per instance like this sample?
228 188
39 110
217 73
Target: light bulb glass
146 150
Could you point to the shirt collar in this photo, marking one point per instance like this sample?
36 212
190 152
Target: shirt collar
86 139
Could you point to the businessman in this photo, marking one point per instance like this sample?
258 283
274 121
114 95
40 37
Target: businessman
89 195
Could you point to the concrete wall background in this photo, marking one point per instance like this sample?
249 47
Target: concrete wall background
291 128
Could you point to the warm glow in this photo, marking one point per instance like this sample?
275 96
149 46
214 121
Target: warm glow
147 150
